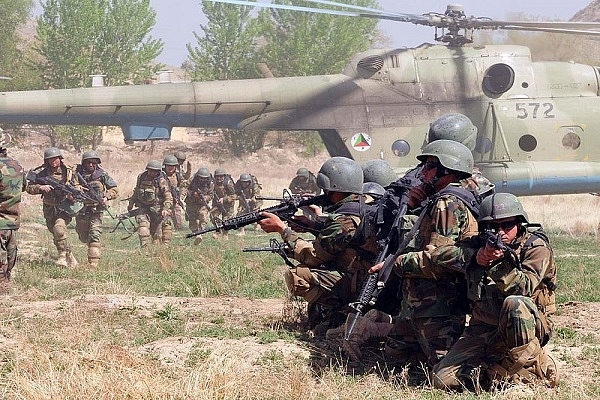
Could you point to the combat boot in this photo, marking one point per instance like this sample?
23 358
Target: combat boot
61 261
94 251
71 260
198 240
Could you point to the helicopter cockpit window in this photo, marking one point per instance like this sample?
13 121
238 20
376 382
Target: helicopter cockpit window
527 142
400 148
498 78
571 140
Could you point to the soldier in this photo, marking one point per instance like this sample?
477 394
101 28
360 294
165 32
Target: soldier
305 183
432 308
379 171
223 204
12 183
200 195
88 222
186 172
176 181
330 270
247 188
153 197
511 289
58 206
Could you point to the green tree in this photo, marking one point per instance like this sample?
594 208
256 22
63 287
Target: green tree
302 43
226 50
79 38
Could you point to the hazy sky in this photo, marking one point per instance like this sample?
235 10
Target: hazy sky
178 19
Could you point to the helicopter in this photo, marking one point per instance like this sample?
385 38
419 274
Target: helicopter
532 137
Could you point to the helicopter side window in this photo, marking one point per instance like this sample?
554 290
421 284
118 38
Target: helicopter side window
499 78
400 148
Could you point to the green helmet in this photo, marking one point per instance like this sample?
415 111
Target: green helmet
220 171
154 165
90 155
180 155
170 160
378 171
456 127
203 173
341 174
373 189
452 155
303 172
245 178
52 152
501 205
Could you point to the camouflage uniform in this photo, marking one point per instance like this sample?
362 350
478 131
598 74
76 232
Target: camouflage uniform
200 195
433 308
332 267
12 183
153 197
223 204
247 188
304 182
88 222
184 169
176 183
57 208
512 302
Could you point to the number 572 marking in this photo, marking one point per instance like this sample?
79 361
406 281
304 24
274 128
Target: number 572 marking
534 110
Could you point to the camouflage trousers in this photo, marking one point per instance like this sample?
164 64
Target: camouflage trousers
198 216
482 345
418 341
88 225
152 225
8 252
177 213
56 222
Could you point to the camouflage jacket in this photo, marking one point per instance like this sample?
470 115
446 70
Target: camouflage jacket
249 193
63 174
225 190
12 183
334 247
152 193
309 186
100 181
443 221
200 192
532 275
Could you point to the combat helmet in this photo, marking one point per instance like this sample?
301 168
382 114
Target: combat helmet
180 155
501 205
220 171
245 178
203 173
154 165
378 171
91 154
456 127
170 160
452 155
341 174
373 189
303 172
52 152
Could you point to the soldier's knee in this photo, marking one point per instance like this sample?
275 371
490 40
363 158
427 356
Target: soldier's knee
300 282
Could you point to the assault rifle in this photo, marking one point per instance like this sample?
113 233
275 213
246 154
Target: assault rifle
274 246
244 201
176 193
219 205
306 211
285 210
491 237
93 193
376 281
66 188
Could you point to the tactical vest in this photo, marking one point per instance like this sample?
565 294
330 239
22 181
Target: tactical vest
147 190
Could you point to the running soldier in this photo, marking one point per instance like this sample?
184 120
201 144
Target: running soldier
153 197
58 206
511 287
247 188
332 266
12 183
88 222
223 205
305 183
200 195
176 182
